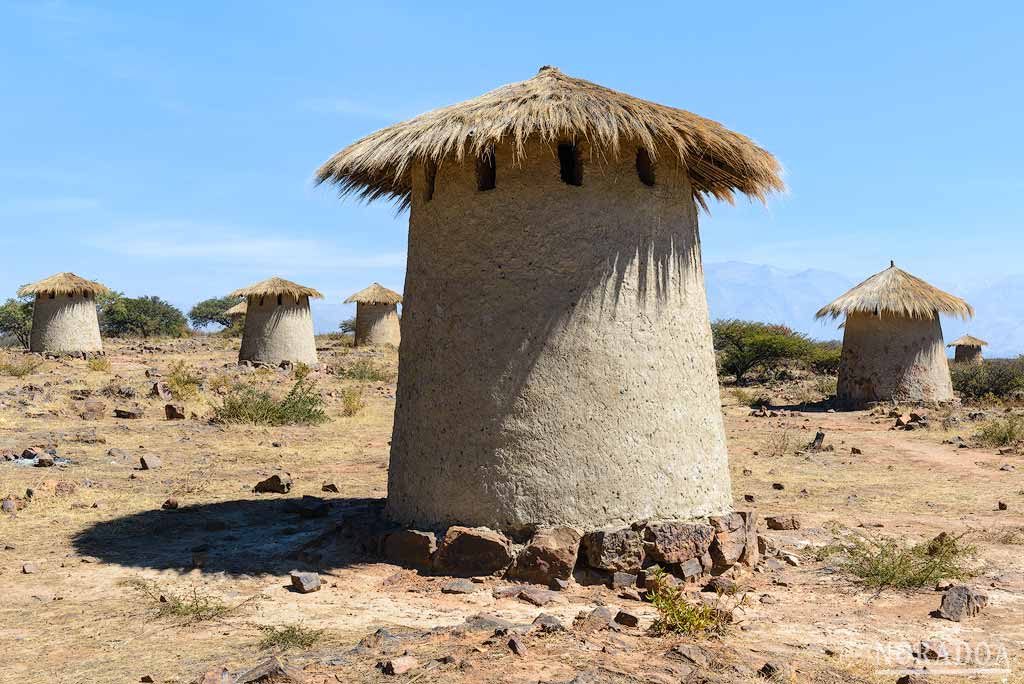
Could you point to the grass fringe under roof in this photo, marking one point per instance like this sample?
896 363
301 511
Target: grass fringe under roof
238 309
555 107
63 284
967 341
375 294
271 287
894 292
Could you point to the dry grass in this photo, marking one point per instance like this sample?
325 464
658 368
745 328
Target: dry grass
366 370
289 637
183 381
63 284
779 443
1002 432
883 563
19 367
271 287
375 294
190 607
99 364
351 401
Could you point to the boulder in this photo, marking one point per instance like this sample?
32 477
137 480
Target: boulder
174 412
133 412
275 484
782 522
549 555
410 548
160 391
305 582
149 462
614 550
960 602
401 665
467 552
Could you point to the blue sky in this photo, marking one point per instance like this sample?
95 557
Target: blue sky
168 148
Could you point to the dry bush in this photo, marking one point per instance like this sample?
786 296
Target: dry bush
366 370
100 364
351 401
882 563
678 616
289 637
1002 432
303 405
19 367
779 443
183 381
191 607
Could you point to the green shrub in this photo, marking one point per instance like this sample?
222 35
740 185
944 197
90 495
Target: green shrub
246 404
999 378
677 616
1002 432
212 311
183 381
140 317
348 326
16 320
743 346
885 563
824 358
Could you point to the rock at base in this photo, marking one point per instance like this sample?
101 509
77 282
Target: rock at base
549 555
614 550
677 542
469 552
410 548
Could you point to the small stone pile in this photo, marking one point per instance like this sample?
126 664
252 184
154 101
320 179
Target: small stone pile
909 421
553 556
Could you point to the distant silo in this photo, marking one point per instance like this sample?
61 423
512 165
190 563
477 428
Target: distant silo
377 319
967 349
64 316
278 322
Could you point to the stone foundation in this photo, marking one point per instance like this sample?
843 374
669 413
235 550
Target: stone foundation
555 556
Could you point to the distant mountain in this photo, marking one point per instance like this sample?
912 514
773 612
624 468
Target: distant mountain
773 295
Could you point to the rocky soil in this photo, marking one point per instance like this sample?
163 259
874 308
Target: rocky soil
145 543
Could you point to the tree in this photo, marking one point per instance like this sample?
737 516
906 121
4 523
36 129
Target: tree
348 326
745 345
212 311
142 317
16 319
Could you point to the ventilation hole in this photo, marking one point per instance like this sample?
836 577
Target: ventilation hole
53 295
570 164
280 300
261 301
485 171
645 167
430 173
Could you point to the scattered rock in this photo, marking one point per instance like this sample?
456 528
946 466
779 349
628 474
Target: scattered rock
398 666
134 412
627 618
722 585
855 451
539 597
548 624
816 443
621 580
460 586
930 650
960 602
272 670
174 411
598 619
517 646
775 671
44 460
93 409
549 555
170 505
29 569
778 486
305 582
689 653
330 487
782 522
469 552
410 548
149 462
160 391
1001 506
275 484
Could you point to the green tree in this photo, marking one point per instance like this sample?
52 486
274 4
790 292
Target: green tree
348 325
16 319
212 311
142 317
745 345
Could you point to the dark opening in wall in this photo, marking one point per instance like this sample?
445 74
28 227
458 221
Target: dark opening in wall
570 164
645 167
430 173
486 174
53 295
261 301
280 299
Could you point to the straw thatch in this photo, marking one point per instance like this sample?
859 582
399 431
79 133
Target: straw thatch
375 294
967 341
894 292
276 286
63 284
238 309
553 106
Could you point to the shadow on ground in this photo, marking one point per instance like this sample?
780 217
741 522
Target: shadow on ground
810 407
250 537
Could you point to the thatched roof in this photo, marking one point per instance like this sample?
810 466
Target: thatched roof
63 284
375 294
967 341
894 292
238 309
555 107
272 287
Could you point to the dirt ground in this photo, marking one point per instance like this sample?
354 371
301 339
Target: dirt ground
86 557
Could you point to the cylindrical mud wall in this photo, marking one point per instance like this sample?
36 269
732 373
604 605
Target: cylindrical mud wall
557 364
278 328
893 358
967 354
65 323
377 324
